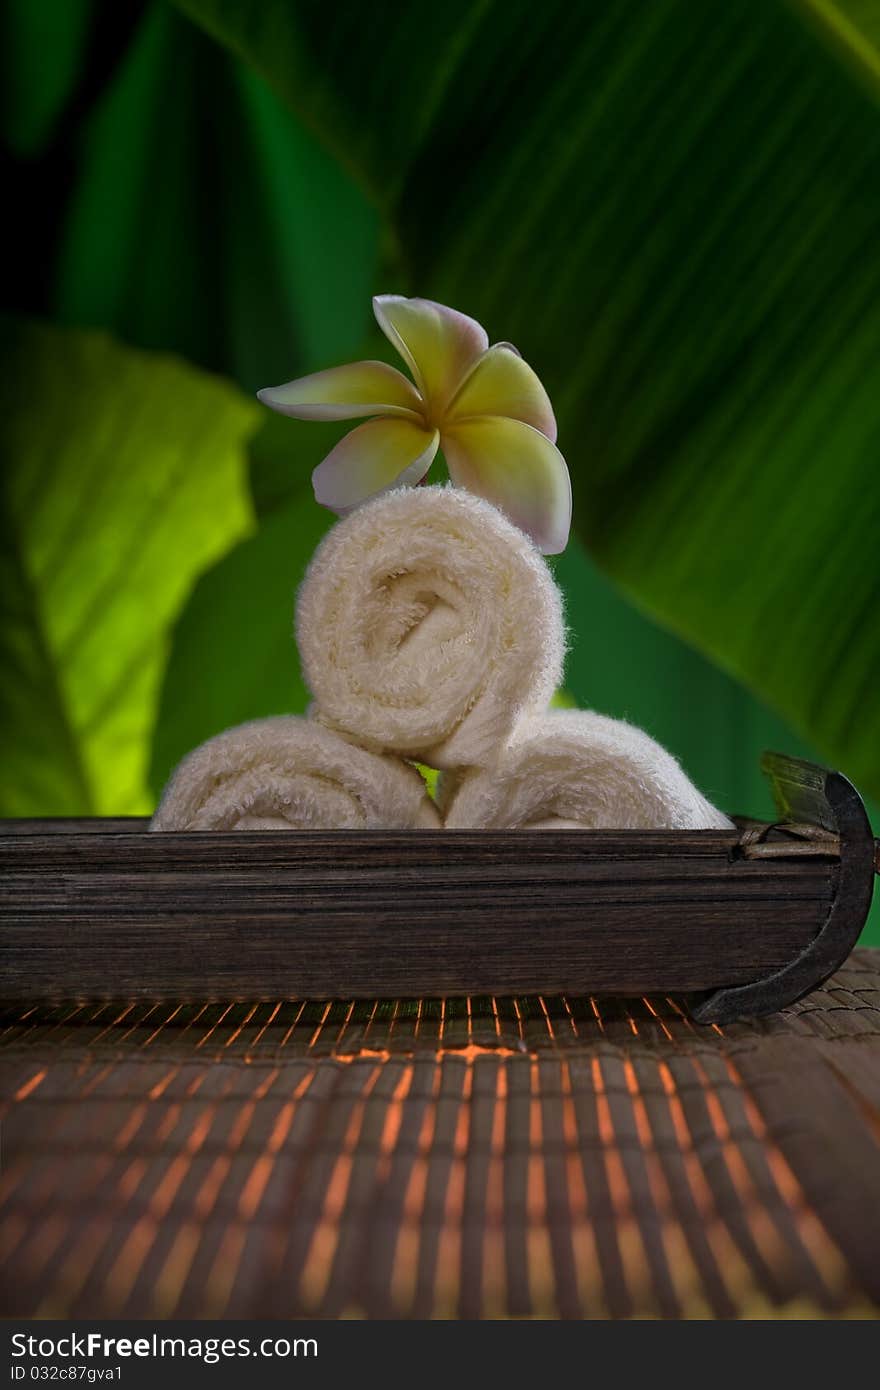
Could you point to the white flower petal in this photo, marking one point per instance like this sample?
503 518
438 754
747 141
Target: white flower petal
501 383
345 393
518 469
439 344
372 458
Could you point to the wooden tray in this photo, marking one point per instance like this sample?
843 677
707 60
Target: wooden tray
748 919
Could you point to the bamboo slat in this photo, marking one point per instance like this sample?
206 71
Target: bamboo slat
561 1157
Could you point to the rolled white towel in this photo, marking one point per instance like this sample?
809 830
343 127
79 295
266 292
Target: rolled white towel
576 769
428 625
288 773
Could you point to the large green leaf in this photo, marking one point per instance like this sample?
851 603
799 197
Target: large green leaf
674 211
234 657
621 663
125 478
206 219
41 49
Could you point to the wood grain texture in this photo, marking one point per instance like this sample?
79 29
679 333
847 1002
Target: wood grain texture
829 801
758 914
352 914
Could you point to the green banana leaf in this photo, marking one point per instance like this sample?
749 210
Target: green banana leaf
673 210
125 478
206 220
233 655
41 56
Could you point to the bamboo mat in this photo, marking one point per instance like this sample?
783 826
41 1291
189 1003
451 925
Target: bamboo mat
531 1157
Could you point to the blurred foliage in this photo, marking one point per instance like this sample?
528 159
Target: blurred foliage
670 209
205 219
621 191
126 478
42 48
234 656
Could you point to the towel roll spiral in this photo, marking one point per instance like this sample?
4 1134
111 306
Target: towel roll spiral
287 773
428 625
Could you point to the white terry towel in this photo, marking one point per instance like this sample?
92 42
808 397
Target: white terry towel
287 773
576 769
428 625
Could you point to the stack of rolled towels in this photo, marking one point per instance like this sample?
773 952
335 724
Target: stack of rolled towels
431 631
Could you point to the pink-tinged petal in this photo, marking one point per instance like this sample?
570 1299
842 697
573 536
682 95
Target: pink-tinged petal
518 469
345 393
501 383
374 457
438 344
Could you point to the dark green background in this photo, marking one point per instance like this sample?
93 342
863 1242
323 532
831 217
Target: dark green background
162 189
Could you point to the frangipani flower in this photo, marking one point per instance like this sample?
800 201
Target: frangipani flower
484 406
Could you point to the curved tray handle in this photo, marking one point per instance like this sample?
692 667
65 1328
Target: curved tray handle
807 793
